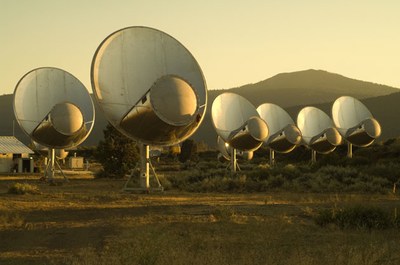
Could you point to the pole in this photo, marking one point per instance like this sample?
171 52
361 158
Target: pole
144 166
271 157
50 164
349 150
313 156
233 161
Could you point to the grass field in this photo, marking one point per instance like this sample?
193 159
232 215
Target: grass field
91 221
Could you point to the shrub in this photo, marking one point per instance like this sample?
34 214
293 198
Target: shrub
206 165
276 181
118 154
390 171
188 151
23 188
339 173
356 217
358 161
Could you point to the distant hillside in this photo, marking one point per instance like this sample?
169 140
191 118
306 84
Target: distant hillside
307 87
292 91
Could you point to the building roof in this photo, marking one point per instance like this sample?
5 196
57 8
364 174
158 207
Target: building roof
10 144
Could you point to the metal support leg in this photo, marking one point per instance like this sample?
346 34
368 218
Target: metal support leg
145 166
62 172
50 165
349 150
50 171
271 157
233 161
313 156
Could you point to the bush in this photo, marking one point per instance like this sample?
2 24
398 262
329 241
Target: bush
23 188
357 217
276 181
341 174
117 154
188 151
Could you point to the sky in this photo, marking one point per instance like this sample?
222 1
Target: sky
235 42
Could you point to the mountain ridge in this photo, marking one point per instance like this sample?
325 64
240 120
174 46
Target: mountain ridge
318 85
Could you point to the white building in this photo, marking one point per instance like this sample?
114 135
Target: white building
14 156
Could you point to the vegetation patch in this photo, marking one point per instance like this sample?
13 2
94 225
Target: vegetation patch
357 217
10 219
23 188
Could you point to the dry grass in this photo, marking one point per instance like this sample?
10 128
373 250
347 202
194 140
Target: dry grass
93 222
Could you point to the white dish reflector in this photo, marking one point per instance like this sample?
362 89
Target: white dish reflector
237 122
318 130
354 121
283 133
149 86
53 107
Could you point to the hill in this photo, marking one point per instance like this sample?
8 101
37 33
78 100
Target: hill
306 87
292 91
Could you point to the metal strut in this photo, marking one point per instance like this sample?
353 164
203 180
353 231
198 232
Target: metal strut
234 165
271 157
52 162
313 156
144 178
349 150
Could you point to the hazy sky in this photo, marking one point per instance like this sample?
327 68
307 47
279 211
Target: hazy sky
235 42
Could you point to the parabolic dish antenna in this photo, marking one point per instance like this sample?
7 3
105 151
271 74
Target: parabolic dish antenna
354 121
238 123
284 135
318 130
149 87
54 109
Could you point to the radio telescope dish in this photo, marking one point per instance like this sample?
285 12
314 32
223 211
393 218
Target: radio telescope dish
54 109
355 122
318 130
284 135
150 88
238 123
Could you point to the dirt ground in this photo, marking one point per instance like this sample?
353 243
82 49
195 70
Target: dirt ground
87 214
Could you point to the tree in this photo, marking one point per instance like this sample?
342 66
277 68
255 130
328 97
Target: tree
188 150
118 154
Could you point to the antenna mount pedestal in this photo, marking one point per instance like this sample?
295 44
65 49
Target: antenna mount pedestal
234 165
51 164
349 150
313 156
144 177
271 157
